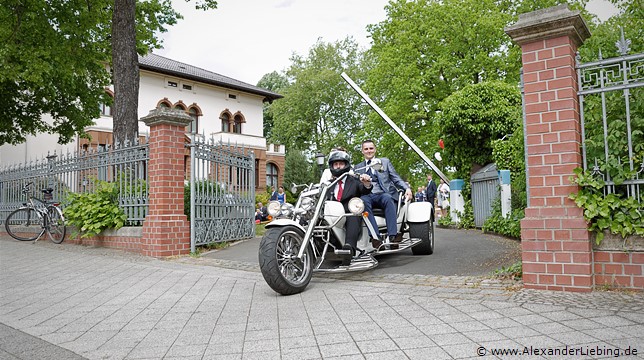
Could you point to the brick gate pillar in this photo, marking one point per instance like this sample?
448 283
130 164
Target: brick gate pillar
166 231
556 246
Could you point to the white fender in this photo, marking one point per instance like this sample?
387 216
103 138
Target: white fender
332 211
419 212
284 222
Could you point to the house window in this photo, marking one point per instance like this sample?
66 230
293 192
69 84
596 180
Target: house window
106 110
271 174
256 173
194 125
164 105
186 87
172 84
232 96
225 123
237 125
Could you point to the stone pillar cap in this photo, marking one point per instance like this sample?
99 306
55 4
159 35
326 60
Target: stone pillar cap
548 23
160 116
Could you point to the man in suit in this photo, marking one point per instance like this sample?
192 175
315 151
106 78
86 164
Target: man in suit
345 190
261 214
431 193
384 194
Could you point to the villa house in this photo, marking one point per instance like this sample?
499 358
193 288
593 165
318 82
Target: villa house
223 108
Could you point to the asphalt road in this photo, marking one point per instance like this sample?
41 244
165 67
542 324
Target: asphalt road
456 252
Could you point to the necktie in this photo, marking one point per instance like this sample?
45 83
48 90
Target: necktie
369 171
339 197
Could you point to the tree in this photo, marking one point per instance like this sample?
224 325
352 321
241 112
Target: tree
427 49
53 62
298 170
273 81
125 62
473 117
319 111
55 81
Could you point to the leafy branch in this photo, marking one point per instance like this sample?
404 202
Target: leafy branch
611 212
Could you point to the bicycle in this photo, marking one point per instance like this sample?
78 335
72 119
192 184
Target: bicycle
31 220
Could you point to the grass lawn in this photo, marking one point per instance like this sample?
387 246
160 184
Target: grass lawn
260 230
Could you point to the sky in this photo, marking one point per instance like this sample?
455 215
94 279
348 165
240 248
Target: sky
246 39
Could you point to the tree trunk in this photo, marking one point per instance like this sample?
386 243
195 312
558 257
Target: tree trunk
125 68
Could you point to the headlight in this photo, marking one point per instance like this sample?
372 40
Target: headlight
307 204
287 209
356 206
274 208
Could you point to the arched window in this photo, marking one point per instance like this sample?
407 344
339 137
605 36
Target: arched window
180 106
271 174
194 125
165 104
237 126
225 122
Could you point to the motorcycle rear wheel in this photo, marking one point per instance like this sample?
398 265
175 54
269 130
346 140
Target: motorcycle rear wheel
425 232
282 270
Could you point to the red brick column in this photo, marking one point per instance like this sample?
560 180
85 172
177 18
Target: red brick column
166 231
556 246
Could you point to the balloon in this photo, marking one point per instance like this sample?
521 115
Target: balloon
438 156
441 144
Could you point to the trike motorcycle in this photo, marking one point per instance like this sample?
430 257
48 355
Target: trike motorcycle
309 237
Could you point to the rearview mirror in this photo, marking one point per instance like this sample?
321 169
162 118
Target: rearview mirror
293 188
376 164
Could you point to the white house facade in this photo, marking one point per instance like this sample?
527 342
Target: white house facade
223 108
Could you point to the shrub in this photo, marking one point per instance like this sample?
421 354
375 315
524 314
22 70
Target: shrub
96 211
510 226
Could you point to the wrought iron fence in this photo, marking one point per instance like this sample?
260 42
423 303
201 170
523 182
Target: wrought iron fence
222 192
79 172
611 101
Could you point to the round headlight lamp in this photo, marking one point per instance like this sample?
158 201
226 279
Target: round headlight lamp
274 208
307 204
287 209
356 206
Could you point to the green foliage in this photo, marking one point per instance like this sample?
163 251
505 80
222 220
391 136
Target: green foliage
96 211
473 118
514 271
510 226
262 197
423 52
508 154
318 111
611 212
298 169
466 217
275 82
445 220
53 60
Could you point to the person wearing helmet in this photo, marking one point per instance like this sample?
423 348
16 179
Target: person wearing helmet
326 174
343 191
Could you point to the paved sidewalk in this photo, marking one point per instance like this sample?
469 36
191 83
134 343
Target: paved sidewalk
72 302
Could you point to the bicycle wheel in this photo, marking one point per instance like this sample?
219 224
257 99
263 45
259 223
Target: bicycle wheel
56 225
24 224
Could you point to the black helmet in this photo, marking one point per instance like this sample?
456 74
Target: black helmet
339 156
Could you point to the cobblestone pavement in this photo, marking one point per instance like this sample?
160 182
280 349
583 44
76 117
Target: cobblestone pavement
67 301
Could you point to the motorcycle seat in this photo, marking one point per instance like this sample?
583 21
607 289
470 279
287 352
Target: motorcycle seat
378 212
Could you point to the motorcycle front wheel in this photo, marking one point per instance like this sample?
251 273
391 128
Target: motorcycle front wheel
283 271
